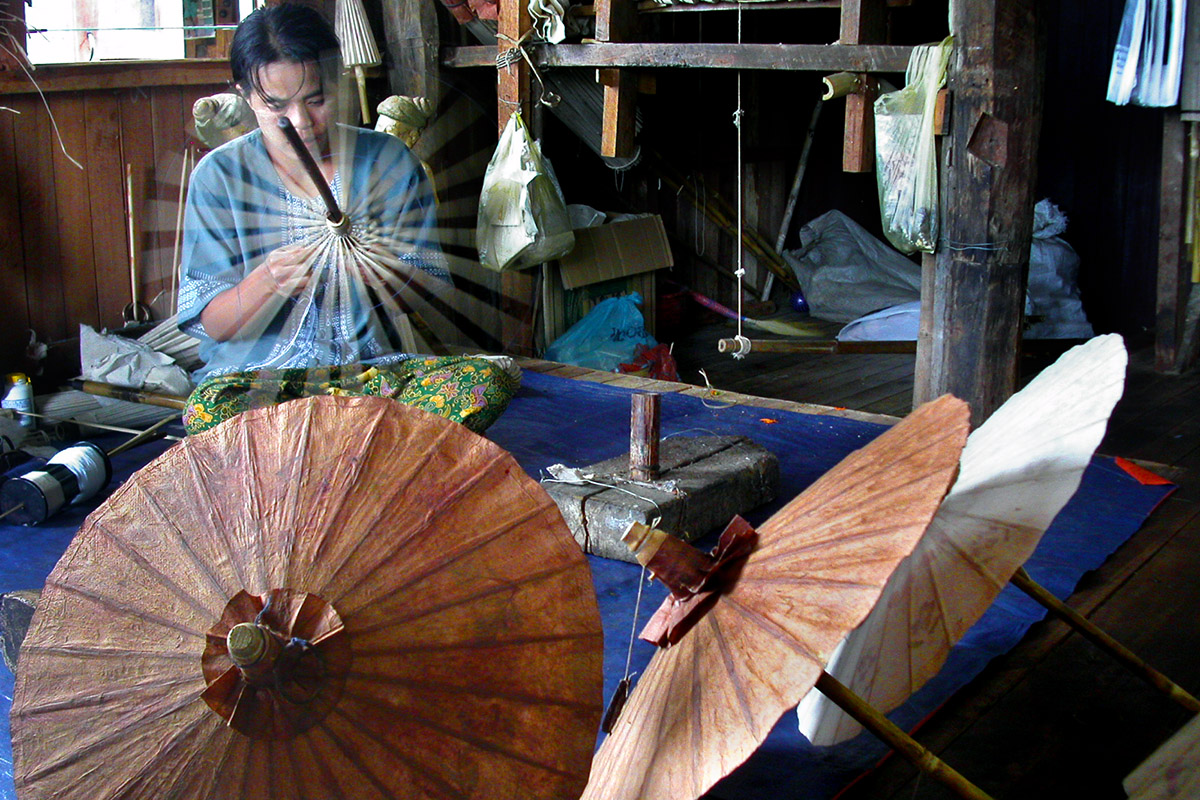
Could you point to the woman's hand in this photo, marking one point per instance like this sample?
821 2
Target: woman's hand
245 310
287 269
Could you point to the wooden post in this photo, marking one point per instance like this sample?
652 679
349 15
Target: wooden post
644 436
863 22
615 22
512 81
411 30
976 301
1174 274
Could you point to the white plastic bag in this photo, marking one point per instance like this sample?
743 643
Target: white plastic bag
905 152
1053 308
522 215
846 272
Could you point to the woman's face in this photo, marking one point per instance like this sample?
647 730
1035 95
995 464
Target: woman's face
293 90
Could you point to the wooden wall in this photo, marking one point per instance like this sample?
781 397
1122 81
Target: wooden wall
64 244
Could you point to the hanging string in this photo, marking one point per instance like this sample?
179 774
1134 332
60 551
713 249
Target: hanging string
637 604
737 121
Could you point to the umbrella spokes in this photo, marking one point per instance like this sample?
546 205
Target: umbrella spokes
276 664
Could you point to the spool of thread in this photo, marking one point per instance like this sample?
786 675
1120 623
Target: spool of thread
72 475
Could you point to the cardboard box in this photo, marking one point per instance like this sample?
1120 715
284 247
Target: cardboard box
608 261
616 250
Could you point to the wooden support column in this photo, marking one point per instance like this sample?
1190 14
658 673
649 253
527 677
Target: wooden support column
615 22
975 296
512 82
863 22
411 30
1174 271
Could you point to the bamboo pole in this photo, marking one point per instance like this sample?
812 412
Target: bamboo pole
919 755
825 346
101 389
96 425
145 435
841 84
1105 642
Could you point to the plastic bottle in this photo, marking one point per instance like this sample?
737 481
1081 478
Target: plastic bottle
20 398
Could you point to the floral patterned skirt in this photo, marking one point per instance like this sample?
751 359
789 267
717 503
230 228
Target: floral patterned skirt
467 389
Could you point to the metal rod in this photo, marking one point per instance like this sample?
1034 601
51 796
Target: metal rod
1105 642
919 755
334 214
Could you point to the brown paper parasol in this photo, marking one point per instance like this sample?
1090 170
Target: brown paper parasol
434 623
705 703
1018 471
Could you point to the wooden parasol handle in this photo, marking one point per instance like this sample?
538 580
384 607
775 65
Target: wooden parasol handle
878 724
1124 655
337 220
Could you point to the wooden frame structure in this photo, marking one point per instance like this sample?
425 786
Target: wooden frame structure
970 342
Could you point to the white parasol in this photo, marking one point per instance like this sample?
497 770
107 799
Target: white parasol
1018 470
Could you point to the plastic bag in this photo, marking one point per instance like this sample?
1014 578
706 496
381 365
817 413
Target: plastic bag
606 337
653 362
522 215
1053 308
905 152
846 272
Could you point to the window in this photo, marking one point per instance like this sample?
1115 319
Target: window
72 31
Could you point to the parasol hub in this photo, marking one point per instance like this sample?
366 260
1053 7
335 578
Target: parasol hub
340 227
250 644
695 578
275 664
643 541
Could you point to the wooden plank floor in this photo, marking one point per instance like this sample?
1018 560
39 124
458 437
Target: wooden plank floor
1053 718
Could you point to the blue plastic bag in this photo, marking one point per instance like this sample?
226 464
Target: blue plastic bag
606 337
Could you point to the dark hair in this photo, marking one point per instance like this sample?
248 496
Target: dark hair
286 32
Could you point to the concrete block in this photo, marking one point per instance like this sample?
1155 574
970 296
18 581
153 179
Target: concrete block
704 482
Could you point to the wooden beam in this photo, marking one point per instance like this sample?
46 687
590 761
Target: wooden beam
988 182
411 30
512 81
1174 273
117 75
792 57
616 21
863 22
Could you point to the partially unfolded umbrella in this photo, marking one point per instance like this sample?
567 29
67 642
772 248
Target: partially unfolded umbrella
358 46
1018 470
769 622
336 597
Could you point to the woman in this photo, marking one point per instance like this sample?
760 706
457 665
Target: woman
283 305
